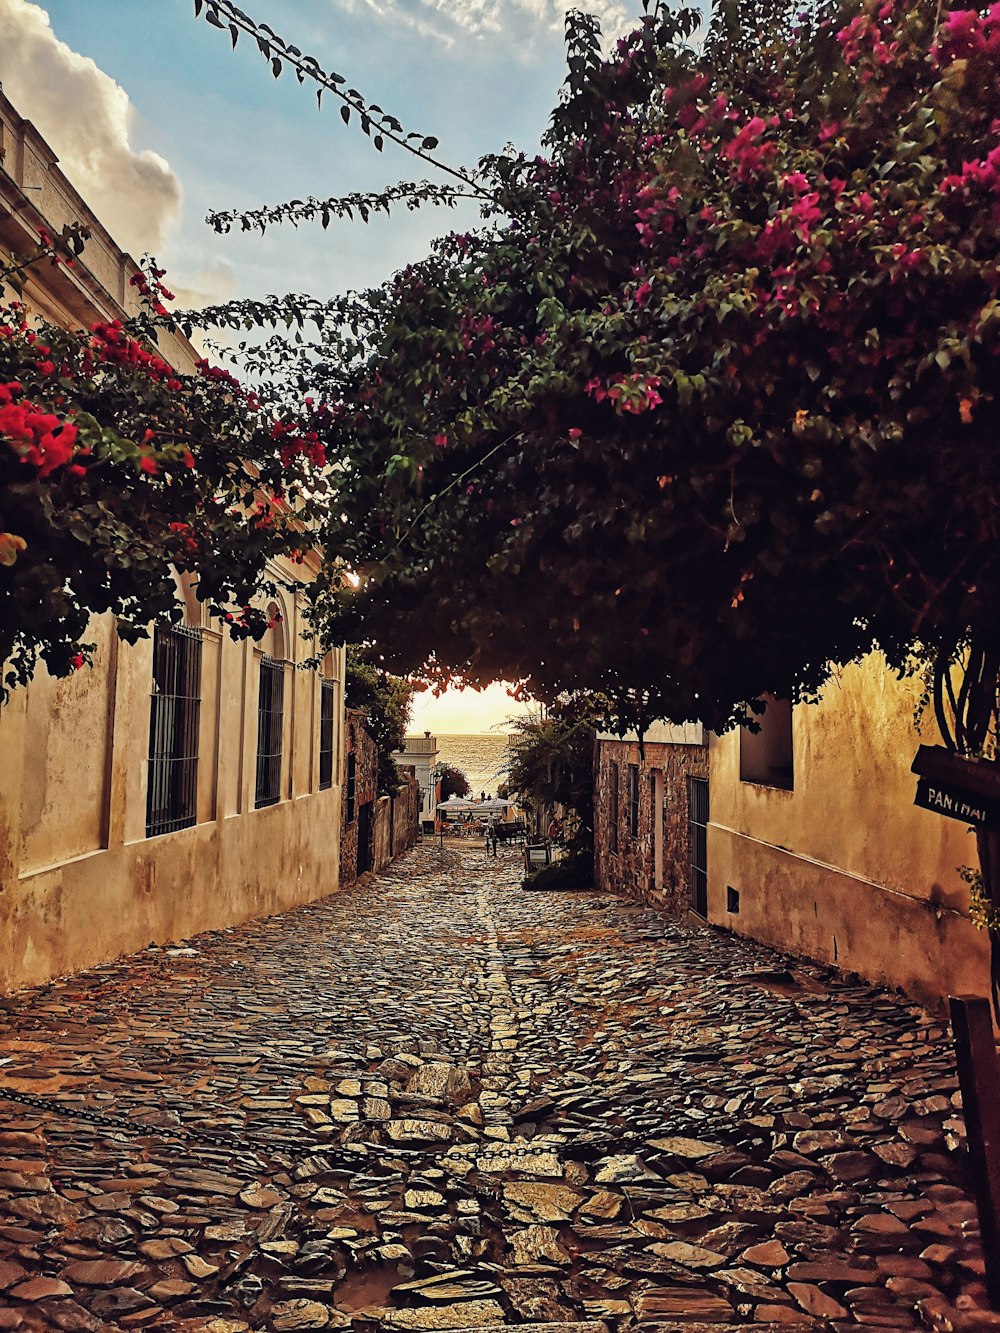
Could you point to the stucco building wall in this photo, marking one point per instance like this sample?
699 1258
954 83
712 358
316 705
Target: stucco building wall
34 194
421 753
639 867
80 880
843 867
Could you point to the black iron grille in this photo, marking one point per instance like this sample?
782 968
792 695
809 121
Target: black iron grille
633 799
698 834
326 702
174 712
269 729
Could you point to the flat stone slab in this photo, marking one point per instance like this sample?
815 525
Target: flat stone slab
468 1314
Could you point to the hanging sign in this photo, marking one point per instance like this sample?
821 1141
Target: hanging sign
960 788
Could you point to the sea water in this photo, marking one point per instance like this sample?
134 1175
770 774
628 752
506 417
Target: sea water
481 757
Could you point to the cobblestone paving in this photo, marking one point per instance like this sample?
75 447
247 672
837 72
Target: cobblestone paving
437 1102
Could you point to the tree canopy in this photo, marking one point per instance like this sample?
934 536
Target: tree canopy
387 701
706 402
453 781
710 399
552 763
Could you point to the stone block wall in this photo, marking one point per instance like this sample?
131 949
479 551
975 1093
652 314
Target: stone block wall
397 821
631 869
406 824
358 743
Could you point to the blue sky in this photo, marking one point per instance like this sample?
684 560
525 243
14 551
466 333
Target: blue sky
235 136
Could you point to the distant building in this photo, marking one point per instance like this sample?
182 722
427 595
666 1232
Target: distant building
421 752
644 798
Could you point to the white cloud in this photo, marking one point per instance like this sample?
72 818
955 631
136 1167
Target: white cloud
210 285
449 19
85 116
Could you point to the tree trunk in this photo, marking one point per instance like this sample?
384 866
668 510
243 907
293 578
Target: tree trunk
988 845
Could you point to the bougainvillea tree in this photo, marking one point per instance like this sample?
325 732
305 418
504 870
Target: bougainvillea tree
117 471
713 402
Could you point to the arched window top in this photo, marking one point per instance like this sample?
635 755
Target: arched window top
328 667
276 640
194 611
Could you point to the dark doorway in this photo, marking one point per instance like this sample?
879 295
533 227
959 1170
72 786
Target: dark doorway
365 837
698 840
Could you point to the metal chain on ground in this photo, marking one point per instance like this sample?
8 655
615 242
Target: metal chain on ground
122 1125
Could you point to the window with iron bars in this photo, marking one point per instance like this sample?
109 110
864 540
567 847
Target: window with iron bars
327 699
174 714
269 732
633 799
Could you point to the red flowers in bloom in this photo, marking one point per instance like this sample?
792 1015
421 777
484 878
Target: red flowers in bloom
209 372
627 393
40 438
296 443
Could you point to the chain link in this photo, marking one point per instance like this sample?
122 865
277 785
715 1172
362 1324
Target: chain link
122 1125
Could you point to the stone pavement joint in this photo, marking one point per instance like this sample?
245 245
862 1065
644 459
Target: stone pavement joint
435 1102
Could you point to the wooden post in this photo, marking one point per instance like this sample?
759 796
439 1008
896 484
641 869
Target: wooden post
979 1079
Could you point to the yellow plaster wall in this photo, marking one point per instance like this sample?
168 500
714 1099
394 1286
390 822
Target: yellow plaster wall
80 883
844 868
67 733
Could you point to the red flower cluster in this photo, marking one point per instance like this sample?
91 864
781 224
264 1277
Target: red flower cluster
111 344
295 443
209 372
39 437
152 289
628 393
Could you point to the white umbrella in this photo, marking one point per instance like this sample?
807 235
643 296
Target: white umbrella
455 803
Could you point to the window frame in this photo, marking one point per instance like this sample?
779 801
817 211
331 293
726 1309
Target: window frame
174 730
632 792
270 731
327 732
767 756
614 803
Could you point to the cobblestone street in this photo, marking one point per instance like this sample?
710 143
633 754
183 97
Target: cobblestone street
437 1102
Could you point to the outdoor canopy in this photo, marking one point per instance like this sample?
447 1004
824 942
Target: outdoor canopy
458 805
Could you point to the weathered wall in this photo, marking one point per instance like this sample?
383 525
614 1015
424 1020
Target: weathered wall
80 882
632 869
34 193
357 742
844 868
397 820
406 820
